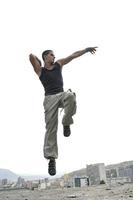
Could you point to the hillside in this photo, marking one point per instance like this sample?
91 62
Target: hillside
5 173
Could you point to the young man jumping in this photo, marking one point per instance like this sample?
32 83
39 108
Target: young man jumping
50 75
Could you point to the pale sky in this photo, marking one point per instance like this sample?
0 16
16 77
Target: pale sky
103 128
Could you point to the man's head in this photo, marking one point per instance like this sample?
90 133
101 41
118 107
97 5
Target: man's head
48 56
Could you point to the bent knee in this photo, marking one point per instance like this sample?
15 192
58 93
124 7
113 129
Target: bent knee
71 96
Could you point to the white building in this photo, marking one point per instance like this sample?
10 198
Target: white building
96 173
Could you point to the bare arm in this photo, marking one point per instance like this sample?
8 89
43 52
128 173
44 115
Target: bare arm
77 54
36 63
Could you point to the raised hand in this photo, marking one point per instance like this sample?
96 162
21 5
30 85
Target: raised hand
91 50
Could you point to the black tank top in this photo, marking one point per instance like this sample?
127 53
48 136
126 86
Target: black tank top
52 79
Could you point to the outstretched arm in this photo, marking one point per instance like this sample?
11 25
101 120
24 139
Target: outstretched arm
36 63
77 54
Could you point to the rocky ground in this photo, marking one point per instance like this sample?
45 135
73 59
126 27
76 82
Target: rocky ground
102 192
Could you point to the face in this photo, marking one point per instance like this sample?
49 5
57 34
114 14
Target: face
50 57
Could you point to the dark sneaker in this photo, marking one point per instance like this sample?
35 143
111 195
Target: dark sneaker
67 131
52 167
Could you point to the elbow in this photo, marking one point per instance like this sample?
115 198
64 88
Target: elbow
31 58
30 55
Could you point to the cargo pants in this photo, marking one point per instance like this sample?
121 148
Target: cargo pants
52 103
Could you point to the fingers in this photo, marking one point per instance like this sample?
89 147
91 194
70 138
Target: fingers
93 50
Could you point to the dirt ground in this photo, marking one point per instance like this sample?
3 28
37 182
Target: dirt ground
102 192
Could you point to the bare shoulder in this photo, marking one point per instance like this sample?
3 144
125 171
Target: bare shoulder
65 61
59 62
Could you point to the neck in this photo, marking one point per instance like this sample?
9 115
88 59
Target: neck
48 65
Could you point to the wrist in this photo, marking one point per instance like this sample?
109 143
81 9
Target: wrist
87 49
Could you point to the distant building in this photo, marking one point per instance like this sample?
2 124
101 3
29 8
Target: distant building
91 175
42 186
71 179
96 173
4 181
34 184
20 181
81 181
121 172
44 183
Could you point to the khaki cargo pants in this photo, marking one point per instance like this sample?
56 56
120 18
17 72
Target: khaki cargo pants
52 103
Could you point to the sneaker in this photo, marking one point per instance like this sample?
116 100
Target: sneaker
67 131
52 167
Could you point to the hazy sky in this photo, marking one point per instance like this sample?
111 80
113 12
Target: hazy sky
103 82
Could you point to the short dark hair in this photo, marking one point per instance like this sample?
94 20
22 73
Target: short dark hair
46 52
